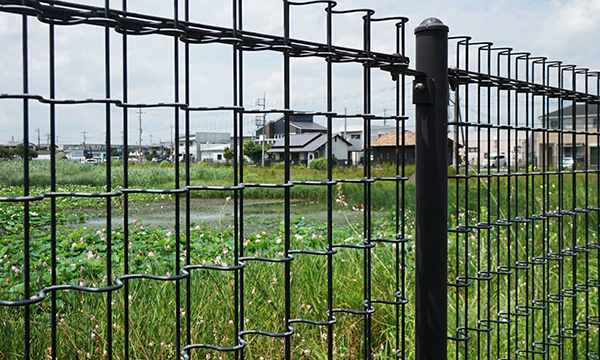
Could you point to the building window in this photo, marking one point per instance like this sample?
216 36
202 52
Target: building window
355 136
594 156
472 149
219 157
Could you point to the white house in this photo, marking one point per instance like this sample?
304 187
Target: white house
205 147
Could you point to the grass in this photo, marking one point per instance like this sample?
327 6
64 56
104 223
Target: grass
158 176
153 311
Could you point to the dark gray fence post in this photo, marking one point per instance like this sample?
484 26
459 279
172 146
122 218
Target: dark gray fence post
430 95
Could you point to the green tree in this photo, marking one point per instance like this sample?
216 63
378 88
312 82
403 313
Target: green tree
4 153
253 151
228 154
19 151
151 155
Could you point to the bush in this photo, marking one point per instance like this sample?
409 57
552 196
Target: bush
319 164
165 164
278 165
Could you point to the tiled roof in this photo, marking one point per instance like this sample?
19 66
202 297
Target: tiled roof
389 139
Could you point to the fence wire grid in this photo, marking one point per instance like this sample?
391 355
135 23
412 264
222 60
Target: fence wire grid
523 247
522 218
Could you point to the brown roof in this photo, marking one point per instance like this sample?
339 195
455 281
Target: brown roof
389 139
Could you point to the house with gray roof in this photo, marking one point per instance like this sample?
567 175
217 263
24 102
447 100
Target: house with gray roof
299 124
309 146
582 118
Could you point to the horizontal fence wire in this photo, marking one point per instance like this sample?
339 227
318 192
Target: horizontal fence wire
126 287
523 206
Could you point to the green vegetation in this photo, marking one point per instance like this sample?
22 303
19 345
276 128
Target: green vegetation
82 259
321 164
16 152
253 151
162 176
228 154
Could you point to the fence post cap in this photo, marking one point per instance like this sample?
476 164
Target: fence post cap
431 24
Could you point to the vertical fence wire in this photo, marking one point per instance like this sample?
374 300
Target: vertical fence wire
531 171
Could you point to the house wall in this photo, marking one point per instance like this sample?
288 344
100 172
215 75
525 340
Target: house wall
339 149
548 149
511 143
387 154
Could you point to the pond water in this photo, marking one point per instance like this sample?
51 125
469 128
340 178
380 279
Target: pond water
216 213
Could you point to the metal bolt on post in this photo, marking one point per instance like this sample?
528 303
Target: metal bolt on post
430 96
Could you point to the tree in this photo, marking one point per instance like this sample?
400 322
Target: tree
151 155
19 151
253 151
4 153
228 154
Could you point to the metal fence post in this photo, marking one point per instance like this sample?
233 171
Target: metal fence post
430 95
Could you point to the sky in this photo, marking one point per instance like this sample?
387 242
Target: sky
566 30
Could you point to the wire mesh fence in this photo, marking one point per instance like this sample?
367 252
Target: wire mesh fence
522 206
524 199
218 291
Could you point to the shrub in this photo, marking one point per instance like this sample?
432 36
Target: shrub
318 164
278 165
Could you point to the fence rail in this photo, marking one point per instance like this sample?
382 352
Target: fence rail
505 259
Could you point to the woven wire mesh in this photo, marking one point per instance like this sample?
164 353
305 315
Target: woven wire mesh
124 274
523 249
523 206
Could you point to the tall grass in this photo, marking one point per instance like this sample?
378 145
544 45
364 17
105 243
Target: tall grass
159 176
474 254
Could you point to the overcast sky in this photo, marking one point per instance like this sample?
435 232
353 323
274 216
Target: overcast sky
557 29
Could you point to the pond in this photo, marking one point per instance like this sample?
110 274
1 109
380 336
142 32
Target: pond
219 213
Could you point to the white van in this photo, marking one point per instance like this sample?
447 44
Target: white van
497 161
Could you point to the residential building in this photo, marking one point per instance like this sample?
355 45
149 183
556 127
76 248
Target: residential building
574 146
205 147
492 147
356 136
275 130
304 148
13 145
384 148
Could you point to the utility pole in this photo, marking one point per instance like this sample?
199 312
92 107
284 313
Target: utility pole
38 132
140 135
384 115
83 132
345 124
172 144
263 102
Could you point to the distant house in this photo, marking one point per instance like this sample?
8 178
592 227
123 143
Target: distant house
205 147
355 134
384 148
304 148
275 130
586 119
11 145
